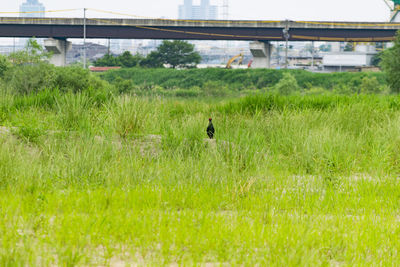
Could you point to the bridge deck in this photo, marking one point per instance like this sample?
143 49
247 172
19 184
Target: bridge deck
197 30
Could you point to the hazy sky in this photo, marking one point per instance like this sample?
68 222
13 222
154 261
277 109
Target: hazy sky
328 10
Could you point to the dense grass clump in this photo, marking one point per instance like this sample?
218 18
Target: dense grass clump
88 178
268 102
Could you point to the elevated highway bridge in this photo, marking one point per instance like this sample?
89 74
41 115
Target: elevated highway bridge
98 28
262 32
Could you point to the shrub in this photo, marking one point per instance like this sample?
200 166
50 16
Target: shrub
27 79
5 64
287 85
124 86
77 79
370 85
73 79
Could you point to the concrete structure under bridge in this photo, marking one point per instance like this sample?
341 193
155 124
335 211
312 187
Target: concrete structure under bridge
260 32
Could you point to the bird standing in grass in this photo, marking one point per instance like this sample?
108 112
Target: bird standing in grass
210 129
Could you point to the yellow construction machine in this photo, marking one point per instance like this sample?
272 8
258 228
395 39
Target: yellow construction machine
229 64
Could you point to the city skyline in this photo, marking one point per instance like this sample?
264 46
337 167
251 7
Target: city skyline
37 10
32 6
202 11
339 10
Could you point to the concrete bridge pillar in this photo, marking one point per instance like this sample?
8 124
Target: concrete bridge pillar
59 48
261 52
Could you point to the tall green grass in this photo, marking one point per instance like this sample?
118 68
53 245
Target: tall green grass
289 180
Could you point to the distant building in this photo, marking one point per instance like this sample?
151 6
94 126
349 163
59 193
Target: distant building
202 11
34 6
345 61
38 11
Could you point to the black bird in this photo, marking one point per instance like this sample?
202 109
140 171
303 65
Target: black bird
210 129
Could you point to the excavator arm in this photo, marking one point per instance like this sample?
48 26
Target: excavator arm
229 64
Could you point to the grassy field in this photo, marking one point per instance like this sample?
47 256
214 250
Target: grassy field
90 179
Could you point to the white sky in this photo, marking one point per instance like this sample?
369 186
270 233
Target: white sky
325 10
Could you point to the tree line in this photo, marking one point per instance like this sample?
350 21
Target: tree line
176 54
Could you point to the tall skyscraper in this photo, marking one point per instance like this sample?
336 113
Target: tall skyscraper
32 6
202 11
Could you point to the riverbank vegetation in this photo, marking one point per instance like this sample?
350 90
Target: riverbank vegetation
98 179
299 172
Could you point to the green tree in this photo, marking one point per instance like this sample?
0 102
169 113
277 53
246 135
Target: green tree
33 53
107 61
390 63
153 60
127 60
178 54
